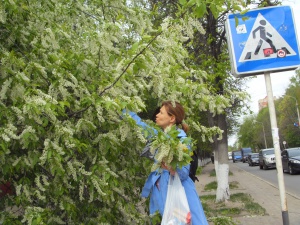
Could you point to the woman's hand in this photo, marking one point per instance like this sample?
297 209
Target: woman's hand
164 166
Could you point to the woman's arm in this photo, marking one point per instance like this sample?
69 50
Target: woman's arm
152 131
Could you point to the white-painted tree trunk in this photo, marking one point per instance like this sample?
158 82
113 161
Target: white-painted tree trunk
223 192
222 167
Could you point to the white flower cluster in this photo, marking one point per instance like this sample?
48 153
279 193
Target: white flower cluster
91 198
18 113
97 186
72 170
140 136
112 173
180 148
65 199
81 168
38 183
56 147
3 15
18 189
111 136
81 189
180 80
155 166
84 125
30 213
189 30
165 24
207 133
48 39
123 173
26 161
124 131
106 43
5 137
158 86
63 91
55 220
141 22
43 157
196 24
8 133
139 102
99 110
5 86
237 2
39 195
16 161
58 166
95 158
27 193
65 129
47 97
45 180
17 92
28 130
40 68
163 152
61 205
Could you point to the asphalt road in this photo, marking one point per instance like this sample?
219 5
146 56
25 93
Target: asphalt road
291 182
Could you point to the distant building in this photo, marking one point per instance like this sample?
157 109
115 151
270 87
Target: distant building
262 103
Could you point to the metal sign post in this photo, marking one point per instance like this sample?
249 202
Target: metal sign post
261 41
275 135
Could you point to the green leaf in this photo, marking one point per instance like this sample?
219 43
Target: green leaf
135 46
200 10
214 10
182 2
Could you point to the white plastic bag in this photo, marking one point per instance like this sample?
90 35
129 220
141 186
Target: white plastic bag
177 211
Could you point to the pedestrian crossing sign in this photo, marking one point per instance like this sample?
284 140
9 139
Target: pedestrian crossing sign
262 40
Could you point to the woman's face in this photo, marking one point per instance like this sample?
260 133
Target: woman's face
163 119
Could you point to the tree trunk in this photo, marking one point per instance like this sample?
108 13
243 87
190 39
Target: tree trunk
220 148
222 167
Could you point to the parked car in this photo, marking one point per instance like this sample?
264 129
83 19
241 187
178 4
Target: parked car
236 156
253 159
267 158
245 152
291 160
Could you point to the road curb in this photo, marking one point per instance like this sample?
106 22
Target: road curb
267 182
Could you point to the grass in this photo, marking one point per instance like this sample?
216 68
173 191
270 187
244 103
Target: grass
240 204
213 173
222 213
199 170
213 185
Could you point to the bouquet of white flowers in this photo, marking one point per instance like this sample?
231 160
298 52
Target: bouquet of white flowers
167 148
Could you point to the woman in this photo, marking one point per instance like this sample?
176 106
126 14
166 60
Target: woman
157 183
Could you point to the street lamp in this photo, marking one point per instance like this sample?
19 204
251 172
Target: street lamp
255 121
297 108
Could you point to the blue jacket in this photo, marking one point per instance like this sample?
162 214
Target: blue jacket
158 195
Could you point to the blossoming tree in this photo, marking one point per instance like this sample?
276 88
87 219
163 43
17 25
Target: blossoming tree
67 70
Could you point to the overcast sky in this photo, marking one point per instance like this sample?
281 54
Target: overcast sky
256 87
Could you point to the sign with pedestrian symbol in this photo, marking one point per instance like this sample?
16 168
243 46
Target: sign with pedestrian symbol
262 40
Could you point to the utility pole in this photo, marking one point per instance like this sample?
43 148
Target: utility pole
255 121
297 108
